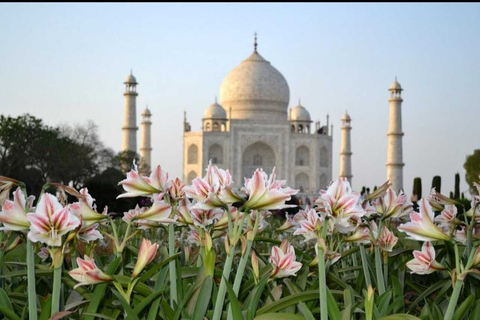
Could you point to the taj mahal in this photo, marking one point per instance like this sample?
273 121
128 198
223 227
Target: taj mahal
252 126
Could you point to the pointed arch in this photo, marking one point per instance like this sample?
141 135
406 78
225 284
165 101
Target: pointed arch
192 154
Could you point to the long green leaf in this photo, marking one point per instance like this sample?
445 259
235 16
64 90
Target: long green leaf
147 275
236 309
131 315
252 301
4 300
162 275
475 314
400 317
288 301
279 316
8 313
46 309
203 300
98 315
432 289
146 301
333 310
294 289
100 289
463 308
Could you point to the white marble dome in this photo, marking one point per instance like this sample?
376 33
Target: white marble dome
255 90
299 113
346 117
215 111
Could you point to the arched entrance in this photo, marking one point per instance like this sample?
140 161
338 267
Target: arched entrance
257 155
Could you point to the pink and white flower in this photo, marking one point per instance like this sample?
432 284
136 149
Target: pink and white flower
339 198
158 214
288 225
14 213
176 189
132 214
194 237
438 200
90 233
159 179
88 273
310 227
424 261
379 192
204 218
387 240
137 185
146 254
421 226
392 205
183 212
364 234
85 210
266 193
283 261
51 221
447 220
213 190
222 223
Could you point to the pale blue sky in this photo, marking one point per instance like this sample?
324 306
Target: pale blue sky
67 62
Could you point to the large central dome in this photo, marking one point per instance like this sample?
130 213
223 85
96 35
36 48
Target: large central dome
255 90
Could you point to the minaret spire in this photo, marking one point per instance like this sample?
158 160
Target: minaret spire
345 149
146 142
395 135
130 128
255 44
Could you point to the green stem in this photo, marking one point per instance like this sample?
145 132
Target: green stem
322 284
385 271
32 295
378 270
453 300
217 313
355 264
57 282
173 270
363 255
239 275
73 255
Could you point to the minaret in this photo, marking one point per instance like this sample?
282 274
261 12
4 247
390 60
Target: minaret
130 115
146 141
345 149
395 153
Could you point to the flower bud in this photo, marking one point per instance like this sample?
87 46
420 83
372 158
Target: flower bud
256 272
14 244
227 245
146 254
244 244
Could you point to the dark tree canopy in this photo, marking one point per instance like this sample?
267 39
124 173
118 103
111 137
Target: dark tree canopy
472 168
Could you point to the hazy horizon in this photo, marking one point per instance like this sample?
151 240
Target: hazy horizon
66 63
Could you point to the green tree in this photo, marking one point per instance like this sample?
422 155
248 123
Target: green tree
35 153
472 169
437 183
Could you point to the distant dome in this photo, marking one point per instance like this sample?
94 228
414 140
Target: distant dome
299 113
215 111
255 90
146 112
395 85
130 79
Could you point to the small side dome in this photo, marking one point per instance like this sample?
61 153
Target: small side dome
131 79
215 111
346 117
395 86
299 113
146 112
